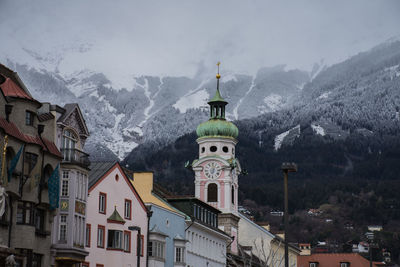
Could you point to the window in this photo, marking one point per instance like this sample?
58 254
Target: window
225 149
64 184
25 213
313 264
88 234
114 239
141 245
212 193
127 241
203 149
344 264
179 254
213 148
102 203
128 209
30 161
156 249
36 260
39 219
63 228
99 265
100 236
233 195
85 264
28 118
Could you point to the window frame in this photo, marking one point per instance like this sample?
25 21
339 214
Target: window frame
40 213
88 235
65 180
29 117
213 196
182 255
156 248
128 234
116 233
103 228
101 194
26 207
130 209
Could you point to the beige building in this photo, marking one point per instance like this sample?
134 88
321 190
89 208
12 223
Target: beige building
25 227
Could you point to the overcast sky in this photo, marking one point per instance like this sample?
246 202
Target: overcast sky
182 37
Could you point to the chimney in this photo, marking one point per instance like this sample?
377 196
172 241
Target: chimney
8 111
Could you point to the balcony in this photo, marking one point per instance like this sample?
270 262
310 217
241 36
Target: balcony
75 156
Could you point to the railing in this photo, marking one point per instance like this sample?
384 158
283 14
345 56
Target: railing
75 156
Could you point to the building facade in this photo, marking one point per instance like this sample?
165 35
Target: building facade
167 246
29 173
206 244
68 235
117 219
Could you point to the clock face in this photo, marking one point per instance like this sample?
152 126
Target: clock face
212 170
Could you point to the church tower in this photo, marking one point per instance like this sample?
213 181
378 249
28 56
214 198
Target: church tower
216 169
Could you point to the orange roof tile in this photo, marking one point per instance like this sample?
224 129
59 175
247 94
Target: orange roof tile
11 129
11 89
334 260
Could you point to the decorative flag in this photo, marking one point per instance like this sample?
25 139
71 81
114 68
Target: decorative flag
14 162
54 189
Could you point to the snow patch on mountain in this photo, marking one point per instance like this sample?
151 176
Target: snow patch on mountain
118 145
394 71
324 95
289 134
273 101
194 100
228 77
235 110
318 129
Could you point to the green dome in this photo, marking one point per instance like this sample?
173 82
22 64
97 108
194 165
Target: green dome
217 127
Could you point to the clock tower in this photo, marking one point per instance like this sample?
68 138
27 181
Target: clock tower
216 169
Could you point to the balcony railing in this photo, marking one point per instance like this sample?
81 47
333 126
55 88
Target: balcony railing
75 156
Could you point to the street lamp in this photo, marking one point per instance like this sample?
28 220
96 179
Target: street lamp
138 229
370 237
286 168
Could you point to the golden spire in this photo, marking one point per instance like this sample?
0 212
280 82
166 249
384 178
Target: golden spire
218 75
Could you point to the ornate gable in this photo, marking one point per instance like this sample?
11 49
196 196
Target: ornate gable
76 121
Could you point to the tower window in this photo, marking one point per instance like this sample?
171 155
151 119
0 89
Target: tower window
212 193
233 195
203 149
213 148
225 149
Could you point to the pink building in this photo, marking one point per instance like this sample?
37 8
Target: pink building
115 217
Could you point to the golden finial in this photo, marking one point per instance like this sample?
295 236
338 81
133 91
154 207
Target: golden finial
218 75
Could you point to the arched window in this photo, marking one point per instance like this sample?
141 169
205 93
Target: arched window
212 193
233 195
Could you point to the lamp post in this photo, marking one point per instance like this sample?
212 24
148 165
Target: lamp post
370 237
286 168
138 229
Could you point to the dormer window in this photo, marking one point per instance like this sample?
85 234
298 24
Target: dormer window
313 264
345 264
29 118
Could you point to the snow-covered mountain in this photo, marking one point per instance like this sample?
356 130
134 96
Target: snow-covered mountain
122 113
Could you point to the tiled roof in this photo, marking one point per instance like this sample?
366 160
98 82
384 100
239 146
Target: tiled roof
45 116
334 260
98 169
116 217
11 129
10 88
